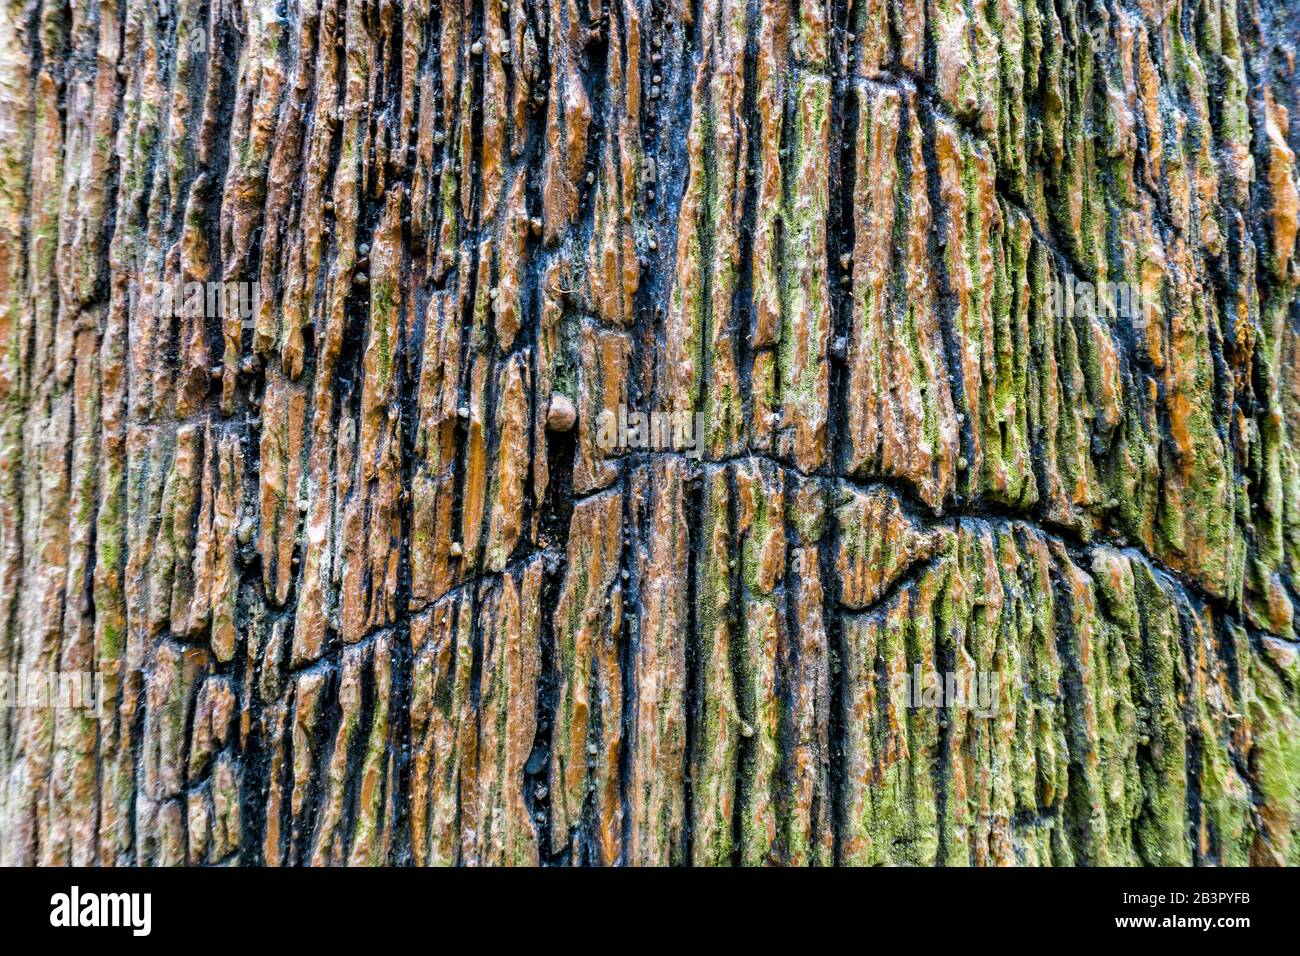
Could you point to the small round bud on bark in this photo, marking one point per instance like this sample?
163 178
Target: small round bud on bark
561 415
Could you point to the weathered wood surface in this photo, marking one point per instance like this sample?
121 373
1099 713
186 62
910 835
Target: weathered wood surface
353 602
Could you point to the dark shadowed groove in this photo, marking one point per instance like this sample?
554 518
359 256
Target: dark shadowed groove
743 300
739 636
841 240
1077 814
837 660
537 770
696 548
627 651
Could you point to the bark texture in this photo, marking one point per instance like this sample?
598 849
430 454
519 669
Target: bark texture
353 601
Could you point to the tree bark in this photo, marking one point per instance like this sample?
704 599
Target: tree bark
967 339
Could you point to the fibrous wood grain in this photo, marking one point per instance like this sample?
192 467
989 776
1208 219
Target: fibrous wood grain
359 576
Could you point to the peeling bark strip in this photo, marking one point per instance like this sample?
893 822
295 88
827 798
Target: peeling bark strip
360 577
